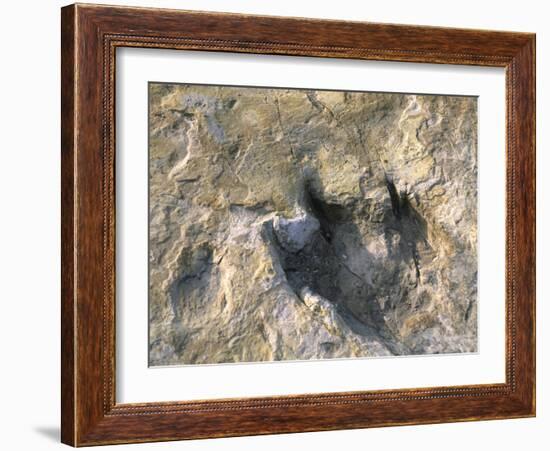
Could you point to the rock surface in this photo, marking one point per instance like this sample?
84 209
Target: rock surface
300 224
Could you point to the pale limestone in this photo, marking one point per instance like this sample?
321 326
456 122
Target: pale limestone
294 224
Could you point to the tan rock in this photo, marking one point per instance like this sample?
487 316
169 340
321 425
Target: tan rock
294 224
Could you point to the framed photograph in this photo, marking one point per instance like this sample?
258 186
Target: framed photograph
278 225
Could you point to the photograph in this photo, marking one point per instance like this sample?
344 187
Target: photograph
288 224
242 225
293 224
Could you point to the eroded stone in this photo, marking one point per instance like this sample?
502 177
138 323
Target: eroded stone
299 224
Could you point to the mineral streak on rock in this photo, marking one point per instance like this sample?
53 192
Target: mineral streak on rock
301 224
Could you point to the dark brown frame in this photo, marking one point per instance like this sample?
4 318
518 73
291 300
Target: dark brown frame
90 35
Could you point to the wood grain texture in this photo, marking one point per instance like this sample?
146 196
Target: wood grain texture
68 400
90 36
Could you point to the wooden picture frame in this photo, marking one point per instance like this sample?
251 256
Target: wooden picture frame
90 36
